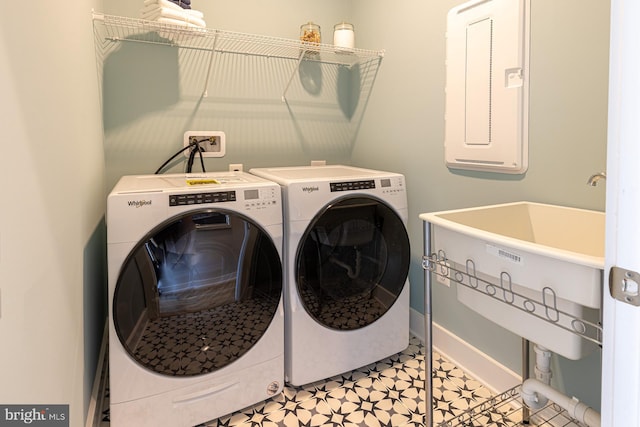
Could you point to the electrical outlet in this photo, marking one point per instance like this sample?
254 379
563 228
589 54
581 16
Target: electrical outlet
235 167
443 269
211 143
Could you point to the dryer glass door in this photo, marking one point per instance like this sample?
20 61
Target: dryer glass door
197 293
352 263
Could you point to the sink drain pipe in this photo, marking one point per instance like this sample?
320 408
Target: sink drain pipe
542 370
537 392
533 390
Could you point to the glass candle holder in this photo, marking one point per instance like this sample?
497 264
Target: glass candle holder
310 33
344 36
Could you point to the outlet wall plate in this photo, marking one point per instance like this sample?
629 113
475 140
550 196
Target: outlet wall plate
211 142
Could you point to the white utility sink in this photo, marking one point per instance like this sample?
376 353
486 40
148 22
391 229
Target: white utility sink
534 269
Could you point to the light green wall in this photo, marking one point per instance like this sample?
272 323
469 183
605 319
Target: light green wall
52 189
403 130
147 111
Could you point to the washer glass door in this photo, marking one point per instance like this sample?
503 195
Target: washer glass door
197 292
352 263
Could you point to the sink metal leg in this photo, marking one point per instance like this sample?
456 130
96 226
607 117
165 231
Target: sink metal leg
525 376
428 341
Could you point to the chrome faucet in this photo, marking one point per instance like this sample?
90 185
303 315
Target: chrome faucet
593 179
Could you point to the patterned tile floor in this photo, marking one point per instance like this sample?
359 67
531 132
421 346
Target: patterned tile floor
386 393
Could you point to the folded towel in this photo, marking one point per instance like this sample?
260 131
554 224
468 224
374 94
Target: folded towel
149 12
162 3
177 22
164 12
166 3
194 12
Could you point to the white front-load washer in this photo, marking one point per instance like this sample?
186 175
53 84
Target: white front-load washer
346 263
196 321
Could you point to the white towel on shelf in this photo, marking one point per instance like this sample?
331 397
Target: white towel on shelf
163 3
149 11
176 22
193 12
168 12
165 12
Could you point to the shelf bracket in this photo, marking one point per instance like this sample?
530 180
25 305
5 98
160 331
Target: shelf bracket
205 92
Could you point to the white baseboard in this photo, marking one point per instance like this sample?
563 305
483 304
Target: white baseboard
482 367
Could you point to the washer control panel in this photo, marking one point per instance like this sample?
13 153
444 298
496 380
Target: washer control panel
392 186
261 198
389 185
201 198
251 198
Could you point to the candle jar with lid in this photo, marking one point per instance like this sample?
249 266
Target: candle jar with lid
343 36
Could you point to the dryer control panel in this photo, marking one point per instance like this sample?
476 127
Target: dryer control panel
353 185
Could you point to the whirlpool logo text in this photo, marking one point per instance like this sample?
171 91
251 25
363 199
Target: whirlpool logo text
139 203
310 189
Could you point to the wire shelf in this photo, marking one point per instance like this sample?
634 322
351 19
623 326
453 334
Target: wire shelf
505 409
124 29
502 291
110 32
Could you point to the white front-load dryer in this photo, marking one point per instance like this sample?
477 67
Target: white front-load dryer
346 263
195 296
